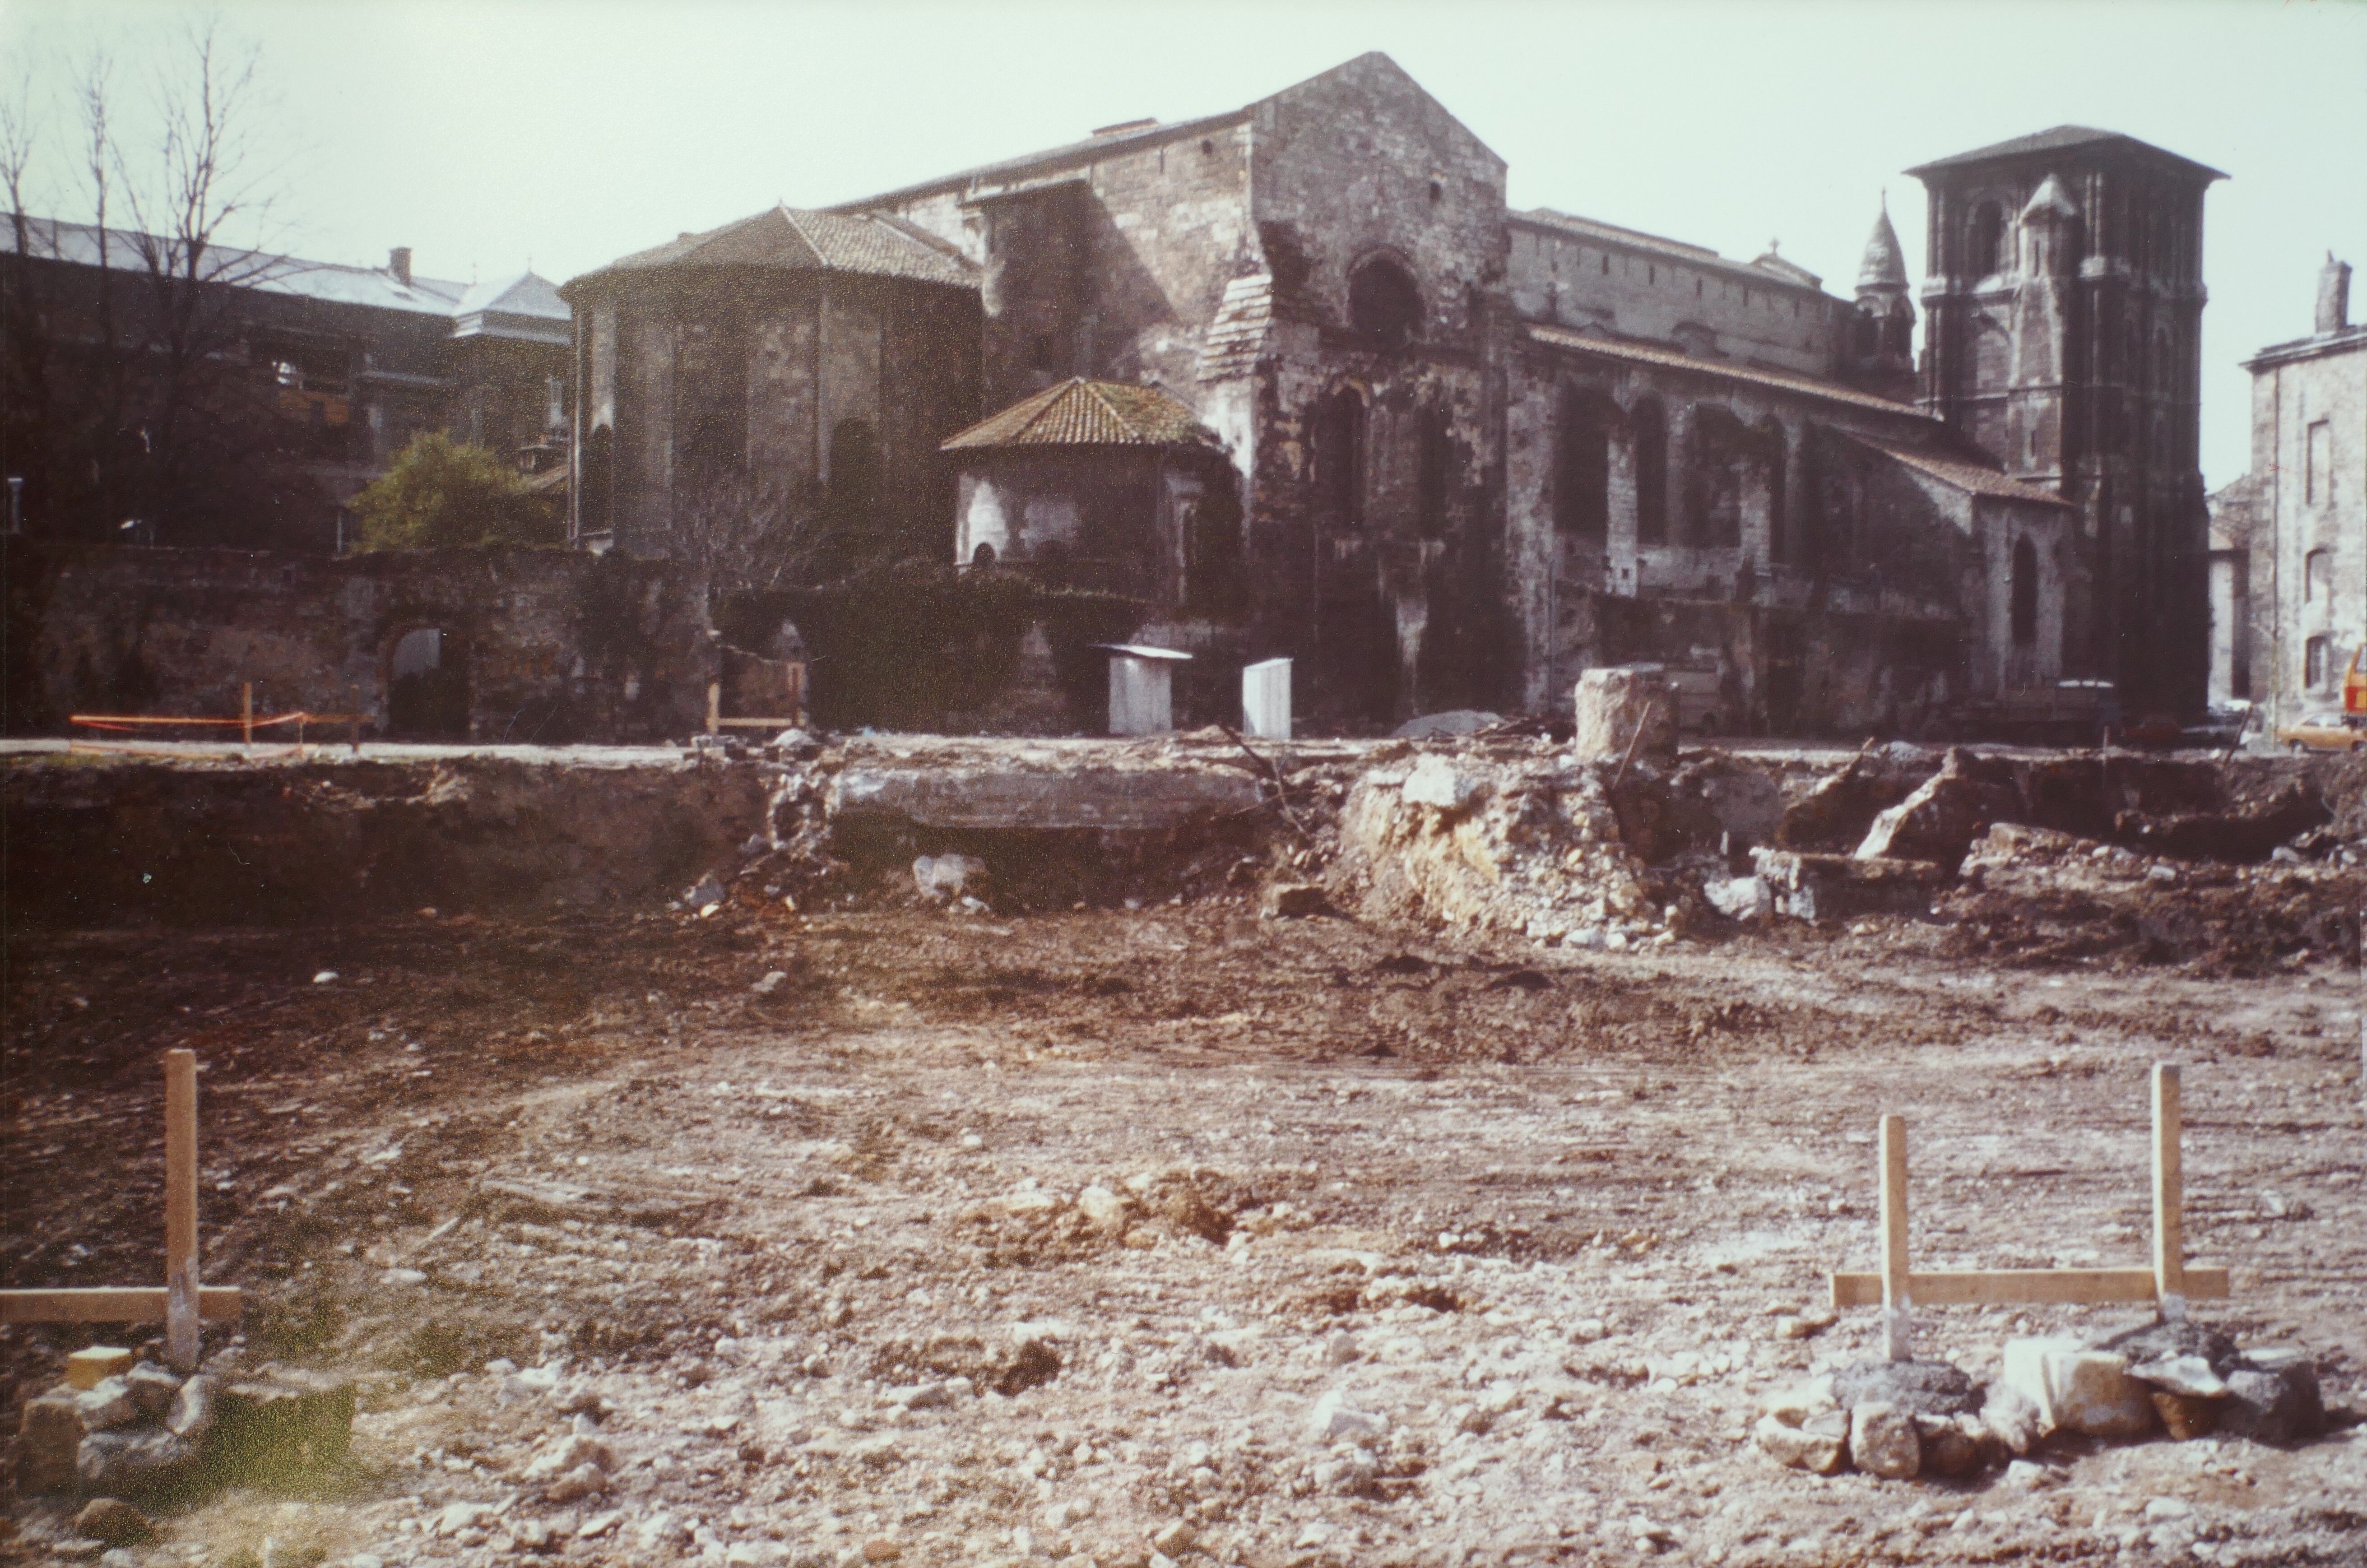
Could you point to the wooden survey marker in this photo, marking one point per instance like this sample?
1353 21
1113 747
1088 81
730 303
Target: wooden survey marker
2169 1282
182 1303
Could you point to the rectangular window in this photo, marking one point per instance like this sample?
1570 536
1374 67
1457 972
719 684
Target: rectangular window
2318 471
2315 662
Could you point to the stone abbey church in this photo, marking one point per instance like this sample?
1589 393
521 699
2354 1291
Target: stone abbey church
1297 378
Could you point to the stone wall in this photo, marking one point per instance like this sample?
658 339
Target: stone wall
1578 274
738 389
547 646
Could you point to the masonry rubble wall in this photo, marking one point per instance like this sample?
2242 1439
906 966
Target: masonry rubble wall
548 646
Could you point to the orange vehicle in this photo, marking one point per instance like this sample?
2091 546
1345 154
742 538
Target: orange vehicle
2354 685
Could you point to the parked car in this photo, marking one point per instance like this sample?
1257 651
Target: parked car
2327 731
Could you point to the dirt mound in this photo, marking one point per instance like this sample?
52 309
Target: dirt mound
2040 895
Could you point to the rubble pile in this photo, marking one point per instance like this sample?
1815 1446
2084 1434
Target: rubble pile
121 1431
1521 842
2043 895
1898 1420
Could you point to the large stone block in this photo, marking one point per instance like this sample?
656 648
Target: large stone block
1627 705
2279 1404
2077 1389
1940 821
1825 888
49 1436
1817 1446
1884 1440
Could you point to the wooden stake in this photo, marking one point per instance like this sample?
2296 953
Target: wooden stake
714 707
181 1299
1897 1283
246 712
2169 1185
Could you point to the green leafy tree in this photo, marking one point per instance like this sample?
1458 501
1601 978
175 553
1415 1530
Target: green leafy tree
442 494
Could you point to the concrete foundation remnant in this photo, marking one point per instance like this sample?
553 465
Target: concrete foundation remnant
1624 708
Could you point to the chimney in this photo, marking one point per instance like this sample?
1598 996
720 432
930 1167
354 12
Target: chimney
2333 295
398 262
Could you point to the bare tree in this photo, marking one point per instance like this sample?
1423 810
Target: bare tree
740 531
134 397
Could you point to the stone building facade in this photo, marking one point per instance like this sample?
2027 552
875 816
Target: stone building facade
2065 303
1476 450
2294 593
798 366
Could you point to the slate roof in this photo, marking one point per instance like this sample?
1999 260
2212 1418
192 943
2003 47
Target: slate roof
1681 251
794 239
521 305
1079 412
1959 473
1677 359
522 296
2061 139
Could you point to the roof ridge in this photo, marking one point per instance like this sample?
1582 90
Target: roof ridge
1045 401
789 216
1115 413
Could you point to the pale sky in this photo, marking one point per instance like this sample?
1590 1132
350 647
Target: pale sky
494 132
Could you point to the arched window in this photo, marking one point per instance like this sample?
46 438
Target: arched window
1985 239
1651 472
2317 665
1899 331
2317 577
1581 499
1340 459
1777 456
1868 335
2023 595
1385 303
426 686
854 473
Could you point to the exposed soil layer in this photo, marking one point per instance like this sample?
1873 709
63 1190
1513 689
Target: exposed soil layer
1155 1182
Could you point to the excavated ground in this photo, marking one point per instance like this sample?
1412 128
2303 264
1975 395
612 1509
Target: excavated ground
1541 1210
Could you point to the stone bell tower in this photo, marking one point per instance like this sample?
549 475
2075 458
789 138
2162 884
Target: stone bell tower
2063 302
1879 354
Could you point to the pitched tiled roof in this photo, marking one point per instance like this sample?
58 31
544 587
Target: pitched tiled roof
1959 473
1079 412
1677 359
2060 138
791 239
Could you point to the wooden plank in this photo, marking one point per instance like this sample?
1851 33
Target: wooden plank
758 723
2028 1287
1897 1289
181 1209
131 1303
2169 1193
